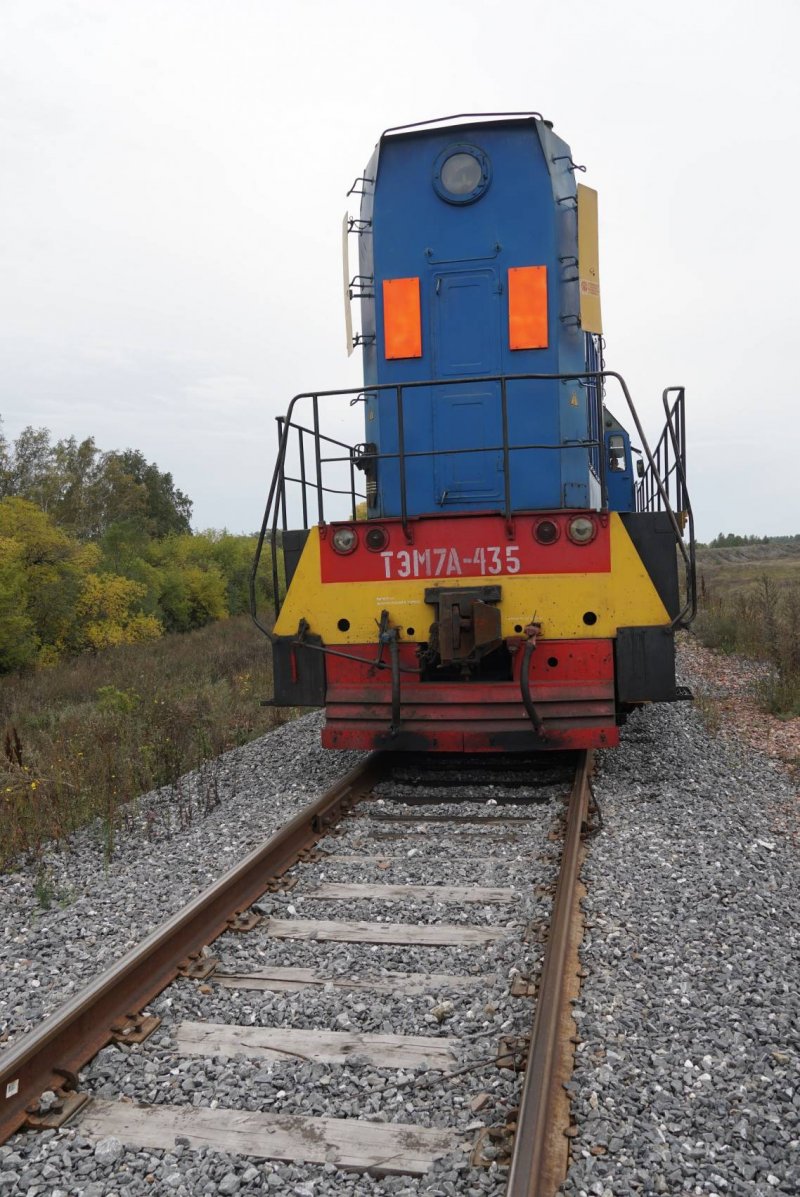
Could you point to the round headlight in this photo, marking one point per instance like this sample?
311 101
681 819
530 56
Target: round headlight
546 531
461 173
344 540
581 529
376 539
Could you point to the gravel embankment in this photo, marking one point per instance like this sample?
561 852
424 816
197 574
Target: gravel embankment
687 1075
512 855
686 1078
167 851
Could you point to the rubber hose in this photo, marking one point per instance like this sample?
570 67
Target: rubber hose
525 687
394 654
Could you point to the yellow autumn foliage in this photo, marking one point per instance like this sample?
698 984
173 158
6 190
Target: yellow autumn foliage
108 615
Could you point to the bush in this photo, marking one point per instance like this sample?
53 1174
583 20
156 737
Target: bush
762 621
81 740
60 596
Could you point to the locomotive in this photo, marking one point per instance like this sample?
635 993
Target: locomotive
495 566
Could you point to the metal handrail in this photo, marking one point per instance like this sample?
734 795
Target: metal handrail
649 499
463 116
286 424
677 435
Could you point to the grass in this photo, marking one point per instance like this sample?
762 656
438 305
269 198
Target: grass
750 604
83 738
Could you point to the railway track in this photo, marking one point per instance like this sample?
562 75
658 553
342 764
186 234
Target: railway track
414 932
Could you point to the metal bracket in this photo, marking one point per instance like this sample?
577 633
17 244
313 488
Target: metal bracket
537 931
359 286
64 1103
330 823
356 190
196 967
243 921
494 1145
367 339
512 1052
134 1028
573 166
281 885
355 225
524 987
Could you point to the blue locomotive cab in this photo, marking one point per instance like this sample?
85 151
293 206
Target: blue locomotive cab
620 482
468 258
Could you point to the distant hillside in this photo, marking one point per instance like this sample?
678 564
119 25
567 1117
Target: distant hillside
753 553
727 571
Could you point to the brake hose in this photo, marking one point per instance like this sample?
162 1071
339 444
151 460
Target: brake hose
525 681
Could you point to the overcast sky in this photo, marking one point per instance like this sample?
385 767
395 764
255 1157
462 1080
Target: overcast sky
174 178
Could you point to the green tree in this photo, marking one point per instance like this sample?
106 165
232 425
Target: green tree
86 491
167 510
29 473
77 468
5 462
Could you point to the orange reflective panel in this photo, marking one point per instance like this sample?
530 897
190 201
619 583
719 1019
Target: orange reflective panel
402 322
527 307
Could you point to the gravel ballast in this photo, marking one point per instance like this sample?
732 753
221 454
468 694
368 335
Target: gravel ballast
473 1019
686 1073
74 913
686 1078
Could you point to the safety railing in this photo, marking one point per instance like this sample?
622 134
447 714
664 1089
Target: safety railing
314 464
669 456
663 487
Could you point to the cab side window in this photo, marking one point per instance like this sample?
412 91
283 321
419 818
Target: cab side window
616 453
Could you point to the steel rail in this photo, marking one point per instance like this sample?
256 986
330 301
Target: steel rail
533 1171
64 1042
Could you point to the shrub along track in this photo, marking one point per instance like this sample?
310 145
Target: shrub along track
531 1139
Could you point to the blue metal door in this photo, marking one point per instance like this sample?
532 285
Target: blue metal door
466 317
